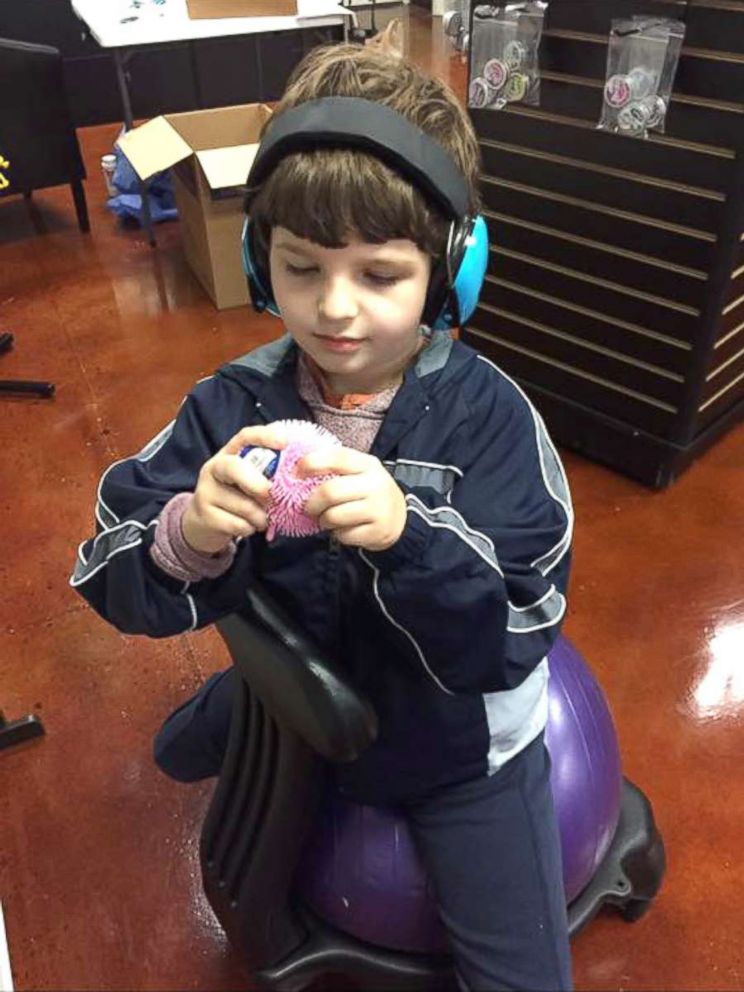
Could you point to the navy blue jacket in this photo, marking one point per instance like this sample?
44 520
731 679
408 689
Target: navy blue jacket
447 631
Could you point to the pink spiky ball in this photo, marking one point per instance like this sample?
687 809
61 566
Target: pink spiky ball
289 492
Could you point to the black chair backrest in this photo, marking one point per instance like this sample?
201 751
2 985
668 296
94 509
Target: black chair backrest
37 138
294 708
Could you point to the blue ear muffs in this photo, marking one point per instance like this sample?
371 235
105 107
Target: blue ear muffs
351 122
457 279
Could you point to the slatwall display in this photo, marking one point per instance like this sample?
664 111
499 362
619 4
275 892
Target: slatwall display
615 288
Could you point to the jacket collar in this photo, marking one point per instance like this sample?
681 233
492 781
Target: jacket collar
269 374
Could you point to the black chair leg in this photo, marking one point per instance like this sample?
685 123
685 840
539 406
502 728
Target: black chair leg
81 205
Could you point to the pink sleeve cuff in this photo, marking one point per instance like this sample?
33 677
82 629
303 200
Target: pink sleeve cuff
175 557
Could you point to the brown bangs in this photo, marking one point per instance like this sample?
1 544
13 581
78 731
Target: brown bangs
326 195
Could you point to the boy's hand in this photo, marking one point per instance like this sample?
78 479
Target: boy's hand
363 507
231 494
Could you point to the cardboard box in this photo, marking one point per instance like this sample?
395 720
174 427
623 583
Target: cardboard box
210 152
241 8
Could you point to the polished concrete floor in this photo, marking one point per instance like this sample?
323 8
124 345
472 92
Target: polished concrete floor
99 877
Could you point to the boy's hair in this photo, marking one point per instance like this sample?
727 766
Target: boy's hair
327 194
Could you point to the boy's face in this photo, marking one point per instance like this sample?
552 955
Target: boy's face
355 310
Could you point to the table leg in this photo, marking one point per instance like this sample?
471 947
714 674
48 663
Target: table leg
120 60
351 22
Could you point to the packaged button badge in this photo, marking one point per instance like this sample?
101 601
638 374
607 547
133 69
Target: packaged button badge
504 54
642 60
456 25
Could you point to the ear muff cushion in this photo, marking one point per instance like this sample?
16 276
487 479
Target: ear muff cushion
472 271
450 306
259 282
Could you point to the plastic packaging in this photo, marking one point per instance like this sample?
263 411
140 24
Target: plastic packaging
642 60
455 22
504 54
266 460
127 200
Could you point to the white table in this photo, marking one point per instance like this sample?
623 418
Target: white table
118 26
170 22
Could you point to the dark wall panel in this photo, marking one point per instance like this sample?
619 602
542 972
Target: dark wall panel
716 27
161 81
593 261
253 67
281 51
705 169
588 220
166 79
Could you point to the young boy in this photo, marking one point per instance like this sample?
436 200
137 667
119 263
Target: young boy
439 576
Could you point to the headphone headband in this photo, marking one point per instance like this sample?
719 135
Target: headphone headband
353 122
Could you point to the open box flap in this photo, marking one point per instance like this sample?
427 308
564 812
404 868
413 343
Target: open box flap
153 147
227 167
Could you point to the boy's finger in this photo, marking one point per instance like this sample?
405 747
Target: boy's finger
353 537
333 461
334 492
233 500
345 516
247 478
260 436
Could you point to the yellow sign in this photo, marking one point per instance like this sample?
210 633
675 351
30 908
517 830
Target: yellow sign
4 181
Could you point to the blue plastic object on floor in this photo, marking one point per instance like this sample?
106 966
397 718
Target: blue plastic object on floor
128 202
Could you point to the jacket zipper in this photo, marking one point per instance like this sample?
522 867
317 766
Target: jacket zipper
335 569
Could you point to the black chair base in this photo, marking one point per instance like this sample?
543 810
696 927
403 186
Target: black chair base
328 951
628 878
23 387
14 732
631 872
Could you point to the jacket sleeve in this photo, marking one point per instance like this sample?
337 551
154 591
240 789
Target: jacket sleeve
476 584
114 571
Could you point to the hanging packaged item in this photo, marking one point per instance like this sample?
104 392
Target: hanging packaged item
504 54
455 23
642 60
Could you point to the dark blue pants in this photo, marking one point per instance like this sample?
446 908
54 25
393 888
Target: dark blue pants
492 850
491 847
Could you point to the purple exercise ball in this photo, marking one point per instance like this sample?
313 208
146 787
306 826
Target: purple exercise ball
362 874
586 777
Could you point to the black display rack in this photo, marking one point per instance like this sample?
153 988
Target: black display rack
615 288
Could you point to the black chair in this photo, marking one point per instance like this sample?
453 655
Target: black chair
38 143
293 713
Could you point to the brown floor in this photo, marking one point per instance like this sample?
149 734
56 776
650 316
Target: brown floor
98 852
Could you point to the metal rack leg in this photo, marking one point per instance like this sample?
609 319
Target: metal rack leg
121 57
